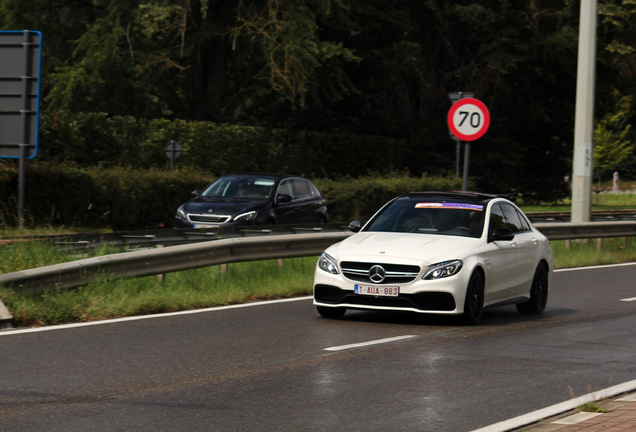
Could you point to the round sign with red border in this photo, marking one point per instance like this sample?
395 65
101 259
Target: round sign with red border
468 119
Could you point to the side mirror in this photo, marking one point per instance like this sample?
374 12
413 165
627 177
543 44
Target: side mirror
283 198
355 226
195 193
502 234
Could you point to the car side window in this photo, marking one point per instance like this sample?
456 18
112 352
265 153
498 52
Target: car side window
301 189
513 221
524 221
496 218
286 188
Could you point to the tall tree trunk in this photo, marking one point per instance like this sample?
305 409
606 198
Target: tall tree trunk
209 64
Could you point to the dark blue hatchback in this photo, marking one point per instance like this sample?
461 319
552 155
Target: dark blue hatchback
252 199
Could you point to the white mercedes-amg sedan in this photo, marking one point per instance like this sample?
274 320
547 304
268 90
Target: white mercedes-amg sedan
452 253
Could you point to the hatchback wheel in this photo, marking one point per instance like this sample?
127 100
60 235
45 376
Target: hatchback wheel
538 293
474 303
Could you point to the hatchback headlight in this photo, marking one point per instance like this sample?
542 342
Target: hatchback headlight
181 213
443 269
328 263
246 216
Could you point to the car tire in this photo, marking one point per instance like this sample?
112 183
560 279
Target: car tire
538 293
331 312
474 303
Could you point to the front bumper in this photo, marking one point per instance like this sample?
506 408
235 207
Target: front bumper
442 296
428 302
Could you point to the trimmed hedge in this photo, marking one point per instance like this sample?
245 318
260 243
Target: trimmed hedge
100 171
90 139
123 198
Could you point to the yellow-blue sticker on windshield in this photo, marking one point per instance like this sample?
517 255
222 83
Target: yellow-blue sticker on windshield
457 206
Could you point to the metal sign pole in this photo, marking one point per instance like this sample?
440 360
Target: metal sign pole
466 164
468 120
454 97
24 117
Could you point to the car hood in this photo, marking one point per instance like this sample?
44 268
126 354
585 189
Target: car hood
220 206
403 247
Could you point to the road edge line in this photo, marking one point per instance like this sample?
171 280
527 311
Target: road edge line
143 317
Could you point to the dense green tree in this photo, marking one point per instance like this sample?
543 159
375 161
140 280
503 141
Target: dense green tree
613 145
376 67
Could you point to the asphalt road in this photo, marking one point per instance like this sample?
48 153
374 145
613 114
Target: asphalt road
281 367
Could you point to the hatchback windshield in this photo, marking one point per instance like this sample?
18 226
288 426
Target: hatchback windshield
430 216
240 187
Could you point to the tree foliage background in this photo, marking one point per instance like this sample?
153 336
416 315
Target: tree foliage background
374 67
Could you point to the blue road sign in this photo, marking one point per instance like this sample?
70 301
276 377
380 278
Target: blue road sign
20 69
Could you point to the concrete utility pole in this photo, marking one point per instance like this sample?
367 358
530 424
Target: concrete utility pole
584 117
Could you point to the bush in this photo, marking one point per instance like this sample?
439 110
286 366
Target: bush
90 139
124 198
349 199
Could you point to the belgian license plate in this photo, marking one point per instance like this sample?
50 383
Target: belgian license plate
386 291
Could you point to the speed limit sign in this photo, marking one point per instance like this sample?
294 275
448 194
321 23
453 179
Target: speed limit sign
468 119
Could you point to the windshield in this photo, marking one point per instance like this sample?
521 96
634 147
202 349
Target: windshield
240 187
430 216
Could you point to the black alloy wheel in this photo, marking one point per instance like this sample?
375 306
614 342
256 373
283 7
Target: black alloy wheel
538 293
474 303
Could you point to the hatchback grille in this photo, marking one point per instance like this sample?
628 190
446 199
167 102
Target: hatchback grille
201 218
395 273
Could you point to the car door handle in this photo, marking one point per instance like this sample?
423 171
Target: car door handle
513 244
535 241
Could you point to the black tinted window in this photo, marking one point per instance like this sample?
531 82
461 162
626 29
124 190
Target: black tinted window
514 220
302 189
506 216
428 216
286 188
497 219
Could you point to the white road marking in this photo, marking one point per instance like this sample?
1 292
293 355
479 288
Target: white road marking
594 267
369 343
631 299
212 309
141 317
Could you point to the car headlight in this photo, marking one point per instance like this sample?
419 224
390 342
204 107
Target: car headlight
443 269
328 263
246 216
181 213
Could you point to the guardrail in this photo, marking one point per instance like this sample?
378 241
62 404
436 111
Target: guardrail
224 251
597 215
156 261
587 230
170 237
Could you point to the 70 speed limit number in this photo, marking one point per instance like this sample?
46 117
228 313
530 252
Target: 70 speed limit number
468 119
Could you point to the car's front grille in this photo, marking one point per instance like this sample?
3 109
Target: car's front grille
203 218
395 273
424 301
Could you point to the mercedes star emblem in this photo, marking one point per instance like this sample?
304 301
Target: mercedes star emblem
377 274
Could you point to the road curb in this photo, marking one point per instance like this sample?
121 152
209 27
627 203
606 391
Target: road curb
560 408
